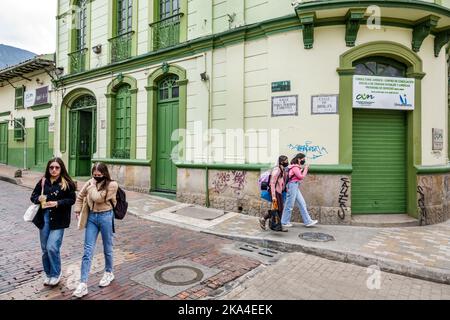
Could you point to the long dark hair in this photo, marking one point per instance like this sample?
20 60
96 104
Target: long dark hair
66 180
298 156
281 159
103 169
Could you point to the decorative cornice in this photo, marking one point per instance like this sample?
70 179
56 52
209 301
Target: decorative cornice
307 22
440 40
421 30
353 21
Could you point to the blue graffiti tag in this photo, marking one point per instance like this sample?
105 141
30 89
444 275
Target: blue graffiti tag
311 152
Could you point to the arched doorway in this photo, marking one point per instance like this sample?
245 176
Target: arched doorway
82 134
346 71
167 122
379 178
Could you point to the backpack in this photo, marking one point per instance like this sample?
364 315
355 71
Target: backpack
120 210
264 185
264 180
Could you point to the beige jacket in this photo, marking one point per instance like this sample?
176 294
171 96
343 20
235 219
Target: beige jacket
98 201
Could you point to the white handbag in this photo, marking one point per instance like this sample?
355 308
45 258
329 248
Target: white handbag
31 212
34 208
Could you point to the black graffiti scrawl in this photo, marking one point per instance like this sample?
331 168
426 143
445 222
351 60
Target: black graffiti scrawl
421 204
343 197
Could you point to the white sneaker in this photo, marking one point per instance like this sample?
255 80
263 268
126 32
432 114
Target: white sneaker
287 225
54 281
313 222
106 280
46 280
81 290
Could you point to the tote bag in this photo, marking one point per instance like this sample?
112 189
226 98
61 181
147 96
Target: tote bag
82 220
34 208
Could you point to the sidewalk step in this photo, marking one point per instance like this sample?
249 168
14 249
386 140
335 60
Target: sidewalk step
384 220
167 195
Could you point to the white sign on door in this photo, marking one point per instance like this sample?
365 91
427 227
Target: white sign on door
383 93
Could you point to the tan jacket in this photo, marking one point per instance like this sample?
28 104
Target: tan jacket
98 201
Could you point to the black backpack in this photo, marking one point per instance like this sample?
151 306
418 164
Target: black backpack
120 210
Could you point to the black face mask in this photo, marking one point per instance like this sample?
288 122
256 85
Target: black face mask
99 179
285 164
302 162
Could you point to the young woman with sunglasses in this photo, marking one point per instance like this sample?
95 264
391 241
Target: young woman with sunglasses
53 216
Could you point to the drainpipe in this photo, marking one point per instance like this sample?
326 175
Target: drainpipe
206 184
208 83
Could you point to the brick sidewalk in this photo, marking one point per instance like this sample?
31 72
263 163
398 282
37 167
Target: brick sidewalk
140 246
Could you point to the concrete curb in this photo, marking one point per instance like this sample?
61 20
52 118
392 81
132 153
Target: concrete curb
8 179
360 259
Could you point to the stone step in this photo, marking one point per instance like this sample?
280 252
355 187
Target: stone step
167 195
384 220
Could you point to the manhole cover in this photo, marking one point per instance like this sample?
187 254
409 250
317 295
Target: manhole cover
316 236
179 275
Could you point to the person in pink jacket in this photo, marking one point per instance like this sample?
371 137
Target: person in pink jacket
295 175
277 181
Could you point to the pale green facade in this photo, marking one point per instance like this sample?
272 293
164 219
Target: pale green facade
225 57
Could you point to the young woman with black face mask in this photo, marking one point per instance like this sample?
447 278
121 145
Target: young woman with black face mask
296 173
100 193
277 180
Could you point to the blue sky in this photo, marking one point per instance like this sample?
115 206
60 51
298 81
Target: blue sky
29 24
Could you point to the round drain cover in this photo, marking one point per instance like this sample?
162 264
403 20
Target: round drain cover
179 275
316 236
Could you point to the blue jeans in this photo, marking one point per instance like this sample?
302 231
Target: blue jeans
51 241
294 196
97 222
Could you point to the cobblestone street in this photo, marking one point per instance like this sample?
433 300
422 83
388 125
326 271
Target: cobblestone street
140 246
298 276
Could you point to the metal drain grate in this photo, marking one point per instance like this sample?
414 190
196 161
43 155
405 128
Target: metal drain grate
261 251
248 247
316 236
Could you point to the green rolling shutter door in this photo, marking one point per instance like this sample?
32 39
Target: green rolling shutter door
379 162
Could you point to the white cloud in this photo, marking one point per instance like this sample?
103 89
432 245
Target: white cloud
29 24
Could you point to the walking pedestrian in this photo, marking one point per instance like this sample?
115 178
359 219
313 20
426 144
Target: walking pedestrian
277 184
294 176
100 193
56 194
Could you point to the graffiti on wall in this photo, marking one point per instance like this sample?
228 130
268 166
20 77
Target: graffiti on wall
421 204
311 151
343 197
234 180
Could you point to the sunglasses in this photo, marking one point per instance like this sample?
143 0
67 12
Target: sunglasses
54 168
